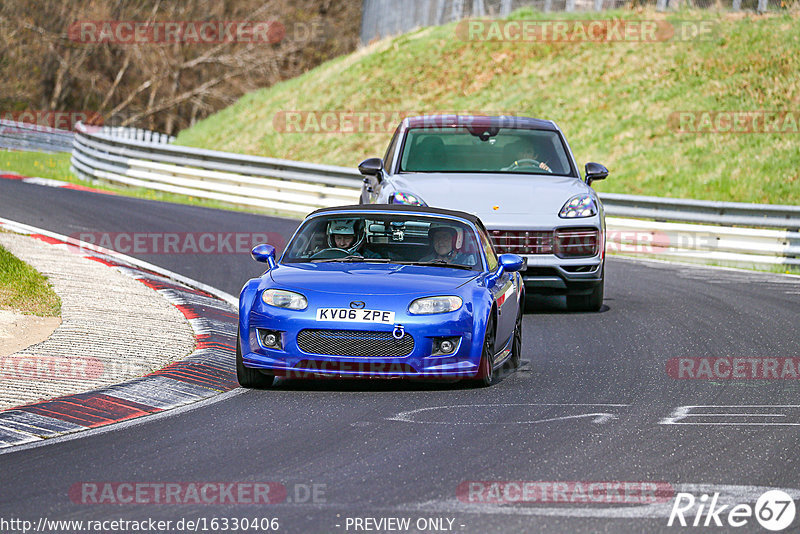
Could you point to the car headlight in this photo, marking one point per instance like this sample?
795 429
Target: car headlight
430 305
579 206
280 298
408 199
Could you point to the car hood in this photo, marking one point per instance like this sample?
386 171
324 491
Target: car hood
494 197
370 278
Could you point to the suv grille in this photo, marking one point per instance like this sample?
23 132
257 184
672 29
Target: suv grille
564 242
522 241
576 242
364 344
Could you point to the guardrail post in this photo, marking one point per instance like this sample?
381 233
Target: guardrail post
570 6
598 5
762 6
737 5
457 13
661 5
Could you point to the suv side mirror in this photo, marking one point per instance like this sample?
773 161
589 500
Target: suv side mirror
595 171
371 167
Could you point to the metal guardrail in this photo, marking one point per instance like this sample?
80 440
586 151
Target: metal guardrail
292 186
283 185
702 211
25 136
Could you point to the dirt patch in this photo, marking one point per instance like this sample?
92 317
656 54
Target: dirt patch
18 331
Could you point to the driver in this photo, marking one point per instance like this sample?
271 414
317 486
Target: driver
348 235
523 153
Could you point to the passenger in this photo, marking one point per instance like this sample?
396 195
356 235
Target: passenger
442 240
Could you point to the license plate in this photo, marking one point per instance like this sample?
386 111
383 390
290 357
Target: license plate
355 316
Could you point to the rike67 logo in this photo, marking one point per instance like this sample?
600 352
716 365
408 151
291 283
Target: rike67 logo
774 510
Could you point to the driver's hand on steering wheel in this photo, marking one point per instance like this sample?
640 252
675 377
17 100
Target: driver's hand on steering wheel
544 167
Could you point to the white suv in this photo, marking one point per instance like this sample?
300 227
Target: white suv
520 177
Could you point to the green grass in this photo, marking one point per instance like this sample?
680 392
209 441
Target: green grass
57 167
613 101
25 290
42 164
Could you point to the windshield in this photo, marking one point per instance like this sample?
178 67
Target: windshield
385 238
496 150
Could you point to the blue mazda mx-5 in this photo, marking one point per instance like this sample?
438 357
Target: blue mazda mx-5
382 291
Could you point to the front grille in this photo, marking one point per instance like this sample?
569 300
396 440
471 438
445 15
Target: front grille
540 271
577 242
364 344
522 241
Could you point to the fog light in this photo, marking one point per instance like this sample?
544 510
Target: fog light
444 346
271 339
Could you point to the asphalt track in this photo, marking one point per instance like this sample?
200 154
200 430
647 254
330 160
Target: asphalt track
589 404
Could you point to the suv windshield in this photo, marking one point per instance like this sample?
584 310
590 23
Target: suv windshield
496 150
385 238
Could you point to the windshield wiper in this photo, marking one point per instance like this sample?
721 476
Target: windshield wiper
437 263
352 259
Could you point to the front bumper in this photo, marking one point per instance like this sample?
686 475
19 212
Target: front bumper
546 273
291 360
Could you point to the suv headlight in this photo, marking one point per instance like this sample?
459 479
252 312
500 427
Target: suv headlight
431 305
579 206
409 199
280 298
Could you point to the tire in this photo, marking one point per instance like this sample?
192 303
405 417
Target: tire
588 303
486 375
250 378
516 344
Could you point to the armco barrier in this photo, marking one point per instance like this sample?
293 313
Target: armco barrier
24 136
149 160
239 179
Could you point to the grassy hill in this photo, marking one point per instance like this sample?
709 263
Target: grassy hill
613 101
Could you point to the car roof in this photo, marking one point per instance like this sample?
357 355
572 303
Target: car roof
504 121
401 208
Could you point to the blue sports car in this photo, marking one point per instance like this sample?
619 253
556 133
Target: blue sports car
382 291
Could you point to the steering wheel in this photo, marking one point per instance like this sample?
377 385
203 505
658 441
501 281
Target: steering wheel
529 162
322 253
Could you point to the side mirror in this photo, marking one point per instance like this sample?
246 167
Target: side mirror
265 254
595 171
371 167
511 263
508 263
